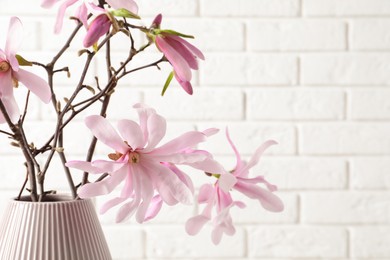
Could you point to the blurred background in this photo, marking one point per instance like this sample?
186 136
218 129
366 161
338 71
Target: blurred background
312 74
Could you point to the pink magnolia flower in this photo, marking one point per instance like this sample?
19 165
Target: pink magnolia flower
214 197
222 201
180 53
148 172
11 73
82 10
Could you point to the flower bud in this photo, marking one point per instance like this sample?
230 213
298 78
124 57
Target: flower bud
98 27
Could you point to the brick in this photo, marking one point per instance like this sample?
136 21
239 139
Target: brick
13 172
370 173
370 34
344 138
346 207
29 7
297 242
125 241
345 69
345 7
245 69
250 8
304 173
219 104
208 32
292 35
249 136
371 242
295 104
173 242
168 7
368 104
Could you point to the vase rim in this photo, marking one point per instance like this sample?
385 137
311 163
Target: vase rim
50 198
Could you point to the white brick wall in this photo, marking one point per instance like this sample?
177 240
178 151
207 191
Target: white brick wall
312 74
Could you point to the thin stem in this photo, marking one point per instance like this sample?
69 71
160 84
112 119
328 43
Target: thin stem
19 136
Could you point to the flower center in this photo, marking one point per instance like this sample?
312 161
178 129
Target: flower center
4 66
134 157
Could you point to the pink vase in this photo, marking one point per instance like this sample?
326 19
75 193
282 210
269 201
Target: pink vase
57 229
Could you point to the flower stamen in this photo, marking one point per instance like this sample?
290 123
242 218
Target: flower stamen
4 66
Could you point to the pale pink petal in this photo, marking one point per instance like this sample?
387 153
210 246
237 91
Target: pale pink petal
144 112
208 165
104 132
260 179
179 158
195 224
216 235
36 84
186 140
156 126
131 133
129 5
7 97
256 156
103 187
98 27
210 131
181 175
146 195
206 192
110 204
154 208
82 14
126 211
48 3
61 14
267 199
224 200
85 166
13 41
12 108
183 51
227 181
170 187
180 65
191 47
186 85
238 166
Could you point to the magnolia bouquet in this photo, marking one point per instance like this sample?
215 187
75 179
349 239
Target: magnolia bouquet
146 172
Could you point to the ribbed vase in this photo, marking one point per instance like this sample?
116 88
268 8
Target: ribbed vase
58 229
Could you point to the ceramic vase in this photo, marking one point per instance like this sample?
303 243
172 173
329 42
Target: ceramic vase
59 228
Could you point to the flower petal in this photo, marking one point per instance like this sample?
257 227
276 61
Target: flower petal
156 126
7 97
85 166
154 208
186 85
98 27
191 47
238 166
36 84
195 224
256 157
110 204
180 65
61 14
131 133
126 211
129 5
185 141
183 51
13 42
103 187
104 132
268 200
227 181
